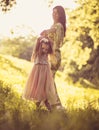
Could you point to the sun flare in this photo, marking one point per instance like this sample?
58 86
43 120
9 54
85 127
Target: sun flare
32 14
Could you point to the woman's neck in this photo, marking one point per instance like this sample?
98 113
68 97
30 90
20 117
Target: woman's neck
56 22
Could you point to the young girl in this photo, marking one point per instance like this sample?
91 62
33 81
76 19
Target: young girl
40 84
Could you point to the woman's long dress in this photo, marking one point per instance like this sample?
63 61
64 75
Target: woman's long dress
57 37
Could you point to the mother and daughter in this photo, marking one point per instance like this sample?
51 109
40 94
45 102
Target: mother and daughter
46 56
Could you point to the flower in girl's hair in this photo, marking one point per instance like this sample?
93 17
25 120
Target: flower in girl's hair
44 40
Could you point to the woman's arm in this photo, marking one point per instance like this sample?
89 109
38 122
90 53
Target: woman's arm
46 32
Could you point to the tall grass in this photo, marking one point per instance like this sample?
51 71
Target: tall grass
81 104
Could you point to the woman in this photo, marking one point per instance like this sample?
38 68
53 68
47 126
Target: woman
56 33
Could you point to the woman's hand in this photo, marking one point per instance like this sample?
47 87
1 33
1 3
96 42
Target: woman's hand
44 33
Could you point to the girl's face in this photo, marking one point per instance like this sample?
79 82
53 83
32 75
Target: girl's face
45 47
55 15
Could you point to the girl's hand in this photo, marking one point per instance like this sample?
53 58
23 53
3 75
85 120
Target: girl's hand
31 59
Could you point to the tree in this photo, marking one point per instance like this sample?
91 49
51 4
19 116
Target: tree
20 47
82 41
7 4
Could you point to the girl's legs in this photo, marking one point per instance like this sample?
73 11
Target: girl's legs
38 104
47 105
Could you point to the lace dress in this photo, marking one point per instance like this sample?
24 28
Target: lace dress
40 83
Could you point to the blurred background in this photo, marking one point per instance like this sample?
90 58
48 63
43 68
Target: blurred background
77 79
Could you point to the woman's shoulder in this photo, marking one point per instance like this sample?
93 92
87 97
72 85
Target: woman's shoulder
58 26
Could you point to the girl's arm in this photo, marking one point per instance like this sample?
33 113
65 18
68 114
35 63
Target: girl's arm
33 54
32 57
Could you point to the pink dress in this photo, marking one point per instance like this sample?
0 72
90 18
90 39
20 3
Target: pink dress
40 83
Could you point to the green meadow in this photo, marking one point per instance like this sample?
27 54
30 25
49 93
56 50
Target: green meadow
81 103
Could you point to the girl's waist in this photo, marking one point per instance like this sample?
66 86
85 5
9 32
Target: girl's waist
40 62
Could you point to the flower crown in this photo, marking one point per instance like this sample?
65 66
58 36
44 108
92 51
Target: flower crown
44 40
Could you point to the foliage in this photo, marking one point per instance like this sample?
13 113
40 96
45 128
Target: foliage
19 47
6 5
81 41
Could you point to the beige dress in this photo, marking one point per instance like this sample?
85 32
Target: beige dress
57 38
40 83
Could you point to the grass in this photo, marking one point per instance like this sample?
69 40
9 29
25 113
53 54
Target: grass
81 104
77 96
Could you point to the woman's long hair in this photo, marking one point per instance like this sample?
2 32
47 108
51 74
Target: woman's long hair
62 16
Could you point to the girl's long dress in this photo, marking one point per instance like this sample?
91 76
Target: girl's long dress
40 83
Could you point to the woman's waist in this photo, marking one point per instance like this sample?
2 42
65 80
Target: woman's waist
57 49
